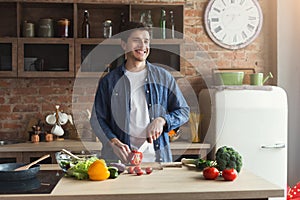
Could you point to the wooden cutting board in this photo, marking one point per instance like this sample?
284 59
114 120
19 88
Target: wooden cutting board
160 166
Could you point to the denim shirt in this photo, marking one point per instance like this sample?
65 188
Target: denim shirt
111 112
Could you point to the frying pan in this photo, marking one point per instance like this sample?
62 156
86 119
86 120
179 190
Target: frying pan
9 187
7 172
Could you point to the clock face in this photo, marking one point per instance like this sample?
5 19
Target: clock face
233 24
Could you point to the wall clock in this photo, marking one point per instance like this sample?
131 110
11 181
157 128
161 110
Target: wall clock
233 24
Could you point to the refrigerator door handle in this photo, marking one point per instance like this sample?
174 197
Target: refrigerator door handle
274 146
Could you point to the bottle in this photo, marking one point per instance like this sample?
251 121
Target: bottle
162 24
122 22
172 24
107 28
86 25
149 23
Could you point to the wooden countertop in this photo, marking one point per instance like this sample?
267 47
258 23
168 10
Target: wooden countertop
166 184
74 145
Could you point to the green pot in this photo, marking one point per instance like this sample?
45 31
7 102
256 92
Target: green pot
229 78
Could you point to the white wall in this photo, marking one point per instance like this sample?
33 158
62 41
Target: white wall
288 39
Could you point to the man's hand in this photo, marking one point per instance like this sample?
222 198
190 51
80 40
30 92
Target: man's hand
120 149
155 128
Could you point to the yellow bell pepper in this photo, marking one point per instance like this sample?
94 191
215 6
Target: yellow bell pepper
98 171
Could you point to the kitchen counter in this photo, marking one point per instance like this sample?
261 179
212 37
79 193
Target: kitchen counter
23 151
166 184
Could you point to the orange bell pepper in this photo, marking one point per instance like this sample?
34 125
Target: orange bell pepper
98 171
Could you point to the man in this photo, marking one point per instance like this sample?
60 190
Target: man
137 104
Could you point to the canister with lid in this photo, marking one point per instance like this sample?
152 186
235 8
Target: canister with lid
28 29
46 28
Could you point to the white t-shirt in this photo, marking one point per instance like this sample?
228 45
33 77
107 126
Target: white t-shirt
139 114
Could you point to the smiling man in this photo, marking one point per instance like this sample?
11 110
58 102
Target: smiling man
137 104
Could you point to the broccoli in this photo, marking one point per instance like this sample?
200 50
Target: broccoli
227 157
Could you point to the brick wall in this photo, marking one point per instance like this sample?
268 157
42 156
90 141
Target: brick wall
22 100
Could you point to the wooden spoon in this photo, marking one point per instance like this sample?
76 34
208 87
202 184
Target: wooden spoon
25 167
70 154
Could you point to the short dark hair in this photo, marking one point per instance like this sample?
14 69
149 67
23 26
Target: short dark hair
131 26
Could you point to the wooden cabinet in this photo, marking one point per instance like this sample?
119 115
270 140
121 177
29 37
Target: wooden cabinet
48 57
56 56
8 57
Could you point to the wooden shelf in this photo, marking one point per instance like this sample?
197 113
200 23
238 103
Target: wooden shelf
14 13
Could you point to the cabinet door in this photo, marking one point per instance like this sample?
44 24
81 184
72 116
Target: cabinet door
51 57
166 53
8 59
96 56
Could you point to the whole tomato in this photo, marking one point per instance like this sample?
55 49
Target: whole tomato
210 173
229 174
148 170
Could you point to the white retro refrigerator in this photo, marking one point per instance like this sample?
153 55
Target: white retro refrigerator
253 120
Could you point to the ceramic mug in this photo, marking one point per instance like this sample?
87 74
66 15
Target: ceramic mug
57 130
63 118
51 119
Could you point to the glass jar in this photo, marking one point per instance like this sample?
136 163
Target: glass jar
63 28
107 29
28 29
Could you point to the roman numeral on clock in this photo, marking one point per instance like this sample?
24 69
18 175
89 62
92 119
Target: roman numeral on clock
215 19
224 3
217 10
244 35
251 18
250 27
218 29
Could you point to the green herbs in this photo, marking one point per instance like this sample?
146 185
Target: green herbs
80 168
199 163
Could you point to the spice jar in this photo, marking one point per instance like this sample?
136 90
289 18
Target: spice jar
63 28
49 137
107 29
46 28
35 138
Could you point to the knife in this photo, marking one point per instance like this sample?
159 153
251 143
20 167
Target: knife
143 147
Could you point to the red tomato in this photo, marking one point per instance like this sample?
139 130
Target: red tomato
229 174
139 172
131 170
210 173
148 170
137 168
